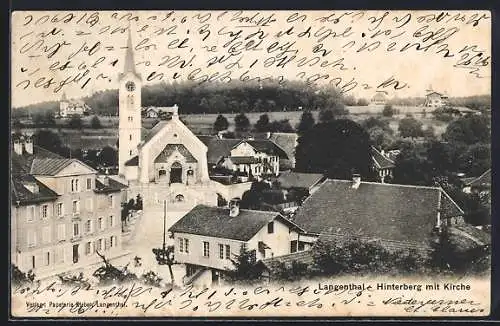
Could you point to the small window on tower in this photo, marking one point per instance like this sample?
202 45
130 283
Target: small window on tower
130 152
130 86
130 137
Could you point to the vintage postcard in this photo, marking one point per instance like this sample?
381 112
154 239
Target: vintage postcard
250 163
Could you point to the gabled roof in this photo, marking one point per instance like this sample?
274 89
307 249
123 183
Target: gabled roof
24 196
298 180
374 210
216 222
218 148
484 180
266 146
52 166
287 141
435 93
380 160
170 148
244 160
146 135
134 161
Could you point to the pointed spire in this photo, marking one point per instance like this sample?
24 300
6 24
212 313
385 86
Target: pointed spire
129 55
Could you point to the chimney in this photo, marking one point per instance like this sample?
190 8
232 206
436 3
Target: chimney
28 144
18 144
234 207
356 181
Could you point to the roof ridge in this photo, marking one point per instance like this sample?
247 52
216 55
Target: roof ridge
389 184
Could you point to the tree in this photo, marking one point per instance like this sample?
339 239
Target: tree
221 123
469 130
262 125
241 122
326 115
349 100
306 122
337 149
253 198
410 127
281 126
373 122
109 274
19 278
429 133
75 122
49 119
95 123
388 111
48 140
362 102
380 137
412 167
245 267
108 156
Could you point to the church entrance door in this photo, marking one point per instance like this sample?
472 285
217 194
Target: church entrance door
176 173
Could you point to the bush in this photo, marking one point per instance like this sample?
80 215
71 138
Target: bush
19 278
388 111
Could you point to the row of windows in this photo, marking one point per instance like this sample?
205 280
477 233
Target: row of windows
75 184
224 250
60 253
75 208
61 230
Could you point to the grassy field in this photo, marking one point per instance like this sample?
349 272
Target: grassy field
202 124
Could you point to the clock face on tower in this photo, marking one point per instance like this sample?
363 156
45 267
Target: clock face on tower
130 86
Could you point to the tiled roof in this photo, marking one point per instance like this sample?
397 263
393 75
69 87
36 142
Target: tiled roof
267 146
134 161
244 159
218 148
304 257
112 186
466 236
484 180
381 162
375 210
170 148
22 163
146 135
298 180
287 141
50 166
24 196
216 222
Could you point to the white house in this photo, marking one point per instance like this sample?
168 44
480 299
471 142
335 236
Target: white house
208 238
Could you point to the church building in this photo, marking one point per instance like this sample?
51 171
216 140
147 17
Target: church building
169 161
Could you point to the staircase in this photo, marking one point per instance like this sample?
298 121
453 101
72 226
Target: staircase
191 279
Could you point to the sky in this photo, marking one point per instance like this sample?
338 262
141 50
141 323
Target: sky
90 56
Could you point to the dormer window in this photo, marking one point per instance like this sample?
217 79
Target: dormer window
32 187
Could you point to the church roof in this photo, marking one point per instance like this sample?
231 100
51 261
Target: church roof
148 134
129 65
170 148
134 161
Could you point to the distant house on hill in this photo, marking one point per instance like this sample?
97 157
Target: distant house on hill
68 108
157 112
435 99
380 98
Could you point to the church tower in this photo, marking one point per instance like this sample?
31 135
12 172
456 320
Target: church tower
129 109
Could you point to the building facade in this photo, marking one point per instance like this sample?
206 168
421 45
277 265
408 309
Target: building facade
68 108
207 239
62 213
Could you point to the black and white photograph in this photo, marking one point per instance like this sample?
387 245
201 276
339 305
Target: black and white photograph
235 163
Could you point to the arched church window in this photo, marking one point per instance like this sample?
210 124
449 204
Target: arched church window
130 99
179 198
130 86
190 172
